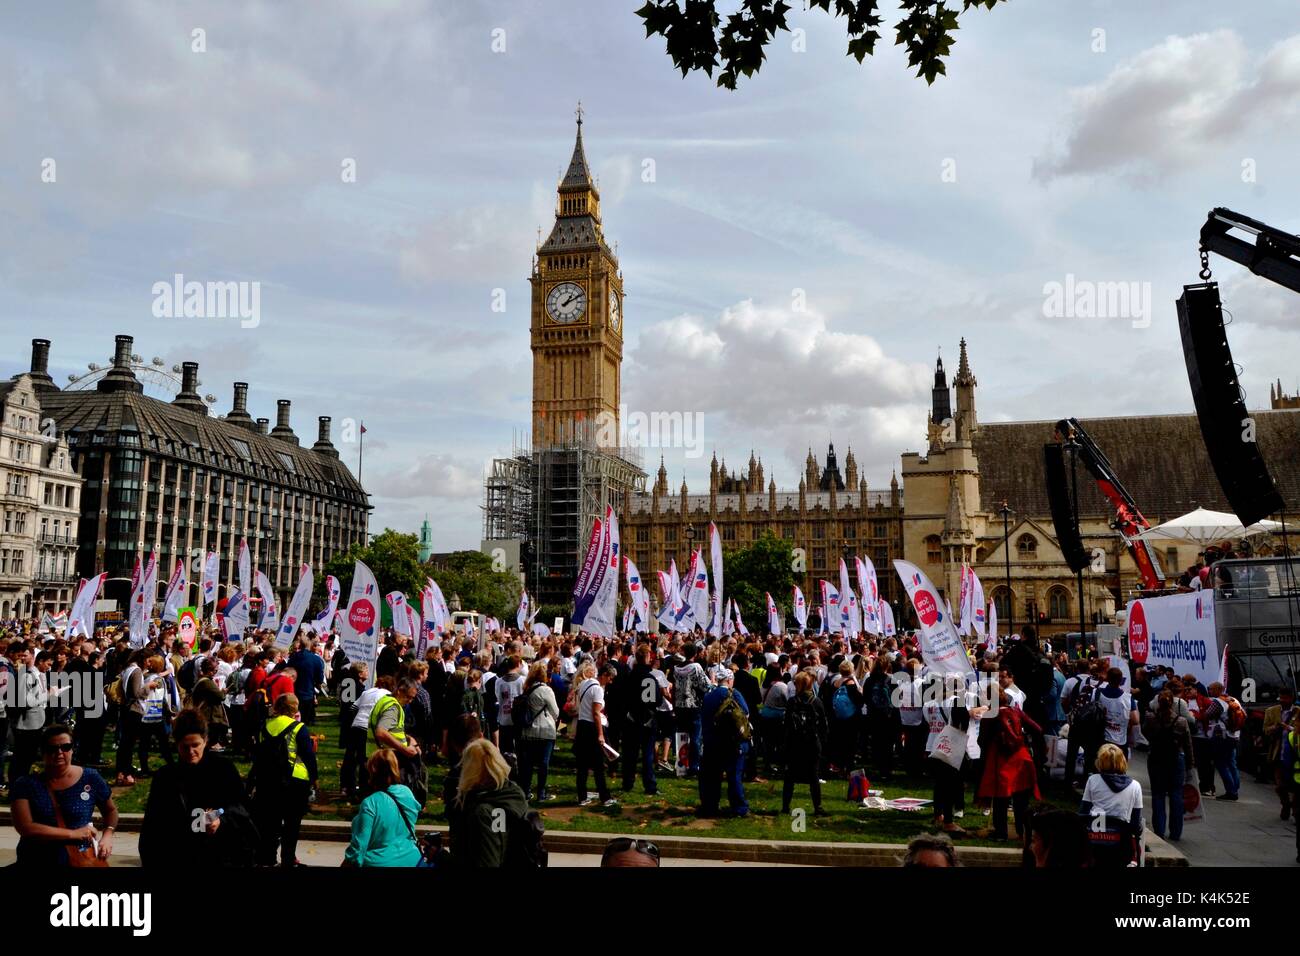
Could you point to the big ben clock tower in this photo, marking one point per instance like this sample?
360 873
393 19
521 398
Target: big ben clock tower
577 320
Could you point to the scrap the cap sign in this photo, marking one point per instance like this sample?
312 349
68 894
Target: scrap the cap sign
927 608
1137 634
361 615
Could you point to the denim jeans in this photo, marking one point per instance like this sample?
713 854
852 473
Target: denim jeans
716 762
690 722
535 754
1225 762
1167 782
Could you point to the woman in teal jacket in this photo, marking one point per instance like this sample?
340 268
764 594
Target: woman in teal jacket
383 831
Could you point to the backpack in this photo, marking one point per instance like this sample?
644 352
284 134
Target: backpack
521 714
842 704
189 673
1235 715
878 696
731 723
272 769
641 712
114 693
525 847
800 721
1087 716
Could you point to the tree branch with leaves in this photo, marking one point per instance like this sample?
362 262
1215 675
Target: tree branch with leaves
697 37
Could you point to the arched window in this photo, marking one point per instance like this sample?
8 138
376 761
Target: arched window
1000 602
1027 547
933 549
1059 602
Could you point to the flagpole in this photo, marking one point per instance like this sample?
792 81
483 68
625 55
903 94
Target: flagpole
361 450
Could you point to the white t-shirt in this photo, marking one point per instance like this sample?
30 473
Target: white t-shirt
1112 804
1117 717
666 703
568 666
365 704
507 689
590 693
1017 697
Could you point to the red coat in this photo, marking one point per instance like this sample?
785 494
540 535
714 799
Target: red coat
1006 773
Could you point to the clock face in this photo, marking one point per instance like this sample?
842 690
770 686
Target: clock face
566 302
615 313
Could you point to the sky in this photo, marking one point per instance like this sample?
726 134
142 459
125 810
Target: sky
795 253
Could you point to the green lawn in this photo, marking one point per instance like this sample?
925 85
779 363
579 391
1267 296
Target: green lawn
670 812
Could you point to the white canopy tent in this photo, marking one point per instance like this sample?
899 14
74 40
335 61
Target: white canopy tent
1204 528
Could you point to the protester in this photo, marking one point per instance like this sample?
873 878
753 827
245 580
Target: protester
1223 728
1278 722
383 829
803 735
282 779
387 726
537 732
724 717
309 674
931 850
196 816
487 830
1059 841
1169 759
589 742
210 701
1010 777
53 810
641 722
1113 794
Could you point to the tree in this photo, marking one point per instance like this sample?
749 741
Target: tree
697 38
393 557
469 574
767 565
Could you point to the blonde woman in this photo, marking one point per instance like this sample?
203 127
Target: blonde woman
537 731
486 799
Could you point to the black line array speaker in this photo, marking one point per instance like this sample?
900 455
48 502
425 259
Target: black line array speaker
1058 496
1228 429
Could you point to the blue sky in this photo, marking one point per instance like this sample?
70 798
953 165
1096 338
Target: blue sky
820 181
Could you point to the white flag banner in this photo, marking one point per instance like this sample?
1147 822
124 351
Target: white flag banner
978 620
137 627
178 590
245 568
82 619
270 620
941 647
442 622
740 624
234 616
521 613
715 558
849 604
401 620
640 596
428 622
832 622
887 618
413 621
964 603
596 608
870 593
359 626
697 598
325 619
773 616
211 573
800 608
729 620
284 637
992 642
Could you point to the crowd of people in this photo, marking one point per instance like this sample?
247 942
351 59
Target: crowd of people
804 709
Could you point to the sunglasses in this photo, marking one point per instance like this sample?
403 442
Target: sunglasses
58 748
623 844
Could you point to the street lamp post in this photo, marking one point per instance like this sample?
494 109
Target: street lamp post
1006 552
1073 446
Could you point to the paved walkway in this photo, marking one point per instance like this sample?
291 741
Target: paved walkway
1248 832
330 853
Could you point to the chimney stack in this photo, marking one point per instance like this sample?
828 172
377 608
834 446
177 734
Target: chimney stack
120 378
323 444
263 426
239 411
282 430
188 397
40 373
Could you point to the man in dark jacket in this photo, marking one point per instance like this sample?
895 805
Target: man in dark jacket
310 670
724 752
640 698
747 687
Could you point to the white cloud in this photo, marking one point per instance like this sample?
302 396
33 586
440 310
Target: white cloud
1173 103
432 476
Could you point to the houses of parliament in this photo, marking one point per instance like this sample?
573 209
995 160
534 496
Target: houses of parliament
975 495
